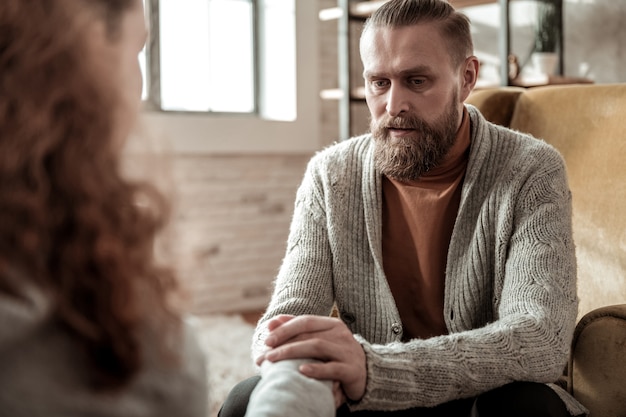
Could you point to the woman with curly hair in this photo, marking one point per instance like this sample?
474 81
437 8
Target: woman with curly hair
87 325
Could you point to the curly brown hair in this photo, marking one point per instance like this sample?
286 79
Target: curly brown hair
70 222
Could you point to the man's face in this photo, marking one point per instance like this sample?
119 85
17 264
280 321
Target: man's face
415 96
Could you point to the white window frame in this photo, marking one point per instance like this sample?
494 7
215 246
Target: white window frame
229 133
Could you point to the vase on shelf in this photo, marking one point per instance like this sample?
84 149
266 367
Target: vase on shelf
545 63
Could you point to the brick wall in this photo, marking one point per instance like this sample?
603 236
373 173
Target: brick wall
230 224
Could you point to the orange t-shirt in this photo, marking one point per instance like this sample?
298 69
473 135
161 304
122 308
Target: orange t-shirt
418 218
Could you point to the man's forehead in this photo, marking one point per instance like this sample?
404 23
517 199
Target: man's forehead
408 48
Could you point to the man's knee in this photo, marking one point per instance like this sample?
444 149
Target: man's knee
236 402
521 399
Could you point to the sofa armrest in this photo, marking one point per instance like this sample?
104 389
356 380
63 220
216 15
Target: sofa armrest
596 374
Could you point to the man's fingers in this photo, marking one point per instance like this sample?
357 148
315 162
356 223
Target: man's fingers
278 321
301 325
325 339
303 349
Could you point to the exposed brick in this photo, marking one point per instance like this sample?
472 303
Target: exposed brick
230 225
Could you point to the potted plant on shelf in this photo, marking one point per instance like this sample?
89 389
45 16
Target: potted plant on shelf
545 57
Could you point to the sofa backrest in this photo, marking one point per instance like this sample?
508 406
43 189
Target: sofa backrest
496 104
587 124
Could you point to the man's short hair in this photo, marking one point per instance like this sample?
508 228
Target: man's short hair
455 26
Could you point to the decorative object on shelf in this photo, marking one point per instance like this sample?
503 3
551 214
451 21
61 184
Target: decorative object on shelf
545 63
514 68
545 58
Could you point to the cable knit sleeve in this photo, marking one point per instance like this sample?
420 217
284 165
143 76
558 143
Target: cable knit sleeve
304 281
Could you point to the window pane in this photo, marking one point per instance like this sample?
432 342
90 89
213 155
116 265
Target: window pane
231 61
184 39
206 55
278 63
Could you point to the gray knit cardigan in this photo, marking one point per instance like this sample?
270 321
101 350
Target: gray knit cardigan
510 292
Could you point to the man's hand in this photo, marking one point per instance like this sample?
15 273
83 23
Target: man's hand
326 339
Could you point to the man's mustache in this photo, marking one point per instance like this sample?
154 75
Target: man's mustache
409 122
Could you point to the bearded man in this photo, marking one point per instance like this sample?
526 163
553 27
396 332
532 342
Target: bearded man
443 241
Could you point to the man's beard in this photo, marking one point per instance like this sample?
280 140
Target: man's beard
409 157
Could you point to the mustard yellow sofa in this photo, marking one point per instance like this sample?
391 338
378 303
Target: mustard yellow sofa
587 124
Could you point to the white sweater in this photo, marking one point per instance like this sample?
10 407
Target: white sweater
510 293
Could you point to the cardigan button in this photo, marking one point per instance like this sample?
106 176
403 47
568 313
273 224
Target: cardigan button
396 328
347 317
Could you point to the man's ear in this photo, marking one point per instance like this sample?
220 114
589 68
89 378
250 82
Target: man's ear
469 75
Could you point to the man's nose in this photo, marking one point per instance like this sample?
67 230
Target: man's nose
397 100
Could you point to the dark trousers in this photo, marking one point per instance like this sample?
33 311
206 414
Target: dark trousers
517 399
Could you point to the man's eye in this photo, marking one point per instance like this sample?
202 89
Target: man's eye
379 83
417 81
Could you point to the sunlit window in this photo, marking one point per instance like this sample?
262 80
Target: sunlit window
222 56
278 59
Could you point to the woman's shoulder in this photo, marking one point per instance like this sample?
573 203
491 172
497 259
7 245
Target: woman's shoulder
45 372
